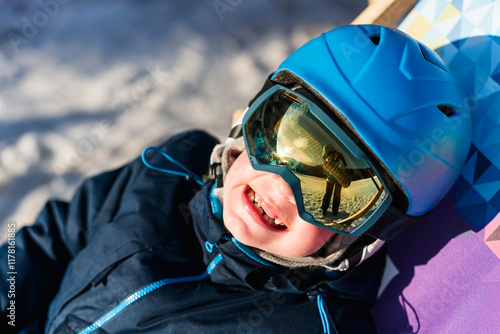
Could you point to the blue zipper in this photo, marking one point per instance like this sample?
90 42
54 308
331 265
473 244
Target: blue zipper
323 314
146 290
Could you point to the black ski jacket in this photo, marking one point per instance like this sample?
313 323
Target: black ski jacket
140 251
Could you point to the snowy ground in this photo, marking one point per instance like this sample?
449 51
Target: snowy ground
352 199
86 85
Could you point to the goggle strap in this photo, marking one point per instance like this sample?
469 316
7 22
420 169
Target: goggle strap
267 84
390 224
236 131
354 253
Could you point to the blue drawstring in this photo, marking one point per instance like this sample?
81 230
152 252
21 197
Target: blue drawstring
322 314
188 174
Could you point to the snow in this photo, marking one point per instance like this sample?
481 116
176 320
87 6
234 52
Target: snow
353 199
85 86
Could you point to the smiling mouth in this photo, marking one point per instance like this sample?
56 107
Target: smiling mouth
273 222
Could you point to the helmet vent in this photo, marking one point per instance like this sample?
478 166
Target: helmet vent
433 59
375 39
446 110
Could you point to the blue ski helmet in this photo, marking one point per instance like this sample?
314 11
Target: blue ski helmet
398 101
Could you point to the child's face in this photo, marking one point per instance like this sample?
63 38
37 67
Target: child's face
287 234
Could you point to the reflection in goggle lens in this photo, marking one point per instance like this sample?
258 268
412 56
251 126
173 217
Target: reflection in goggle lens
338 189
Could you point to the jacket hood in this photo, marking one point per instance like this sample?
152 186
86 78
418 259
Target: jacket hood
241 266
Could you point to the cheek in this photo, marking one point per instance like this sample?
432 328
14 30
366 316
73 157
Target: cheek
308 240
230 212
234 186
240 172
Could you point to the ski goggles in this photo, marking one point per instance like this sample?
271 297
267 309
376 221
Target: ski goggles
335 185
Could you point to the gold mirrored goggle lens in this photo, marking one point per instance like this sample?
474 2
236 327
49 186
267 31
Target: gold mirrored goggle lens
338 189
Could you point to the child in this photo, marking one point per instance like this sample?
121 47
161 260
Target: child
151 247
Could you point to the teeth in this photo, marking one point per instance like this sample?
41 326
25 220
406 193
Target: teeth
275 223
259 209
271 221
251 195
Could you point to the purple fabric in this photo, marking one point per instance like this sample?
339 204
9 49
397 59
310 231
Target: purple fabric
447 279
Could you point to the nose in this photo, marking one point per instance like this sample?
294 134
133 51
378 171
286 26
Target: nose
283 189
